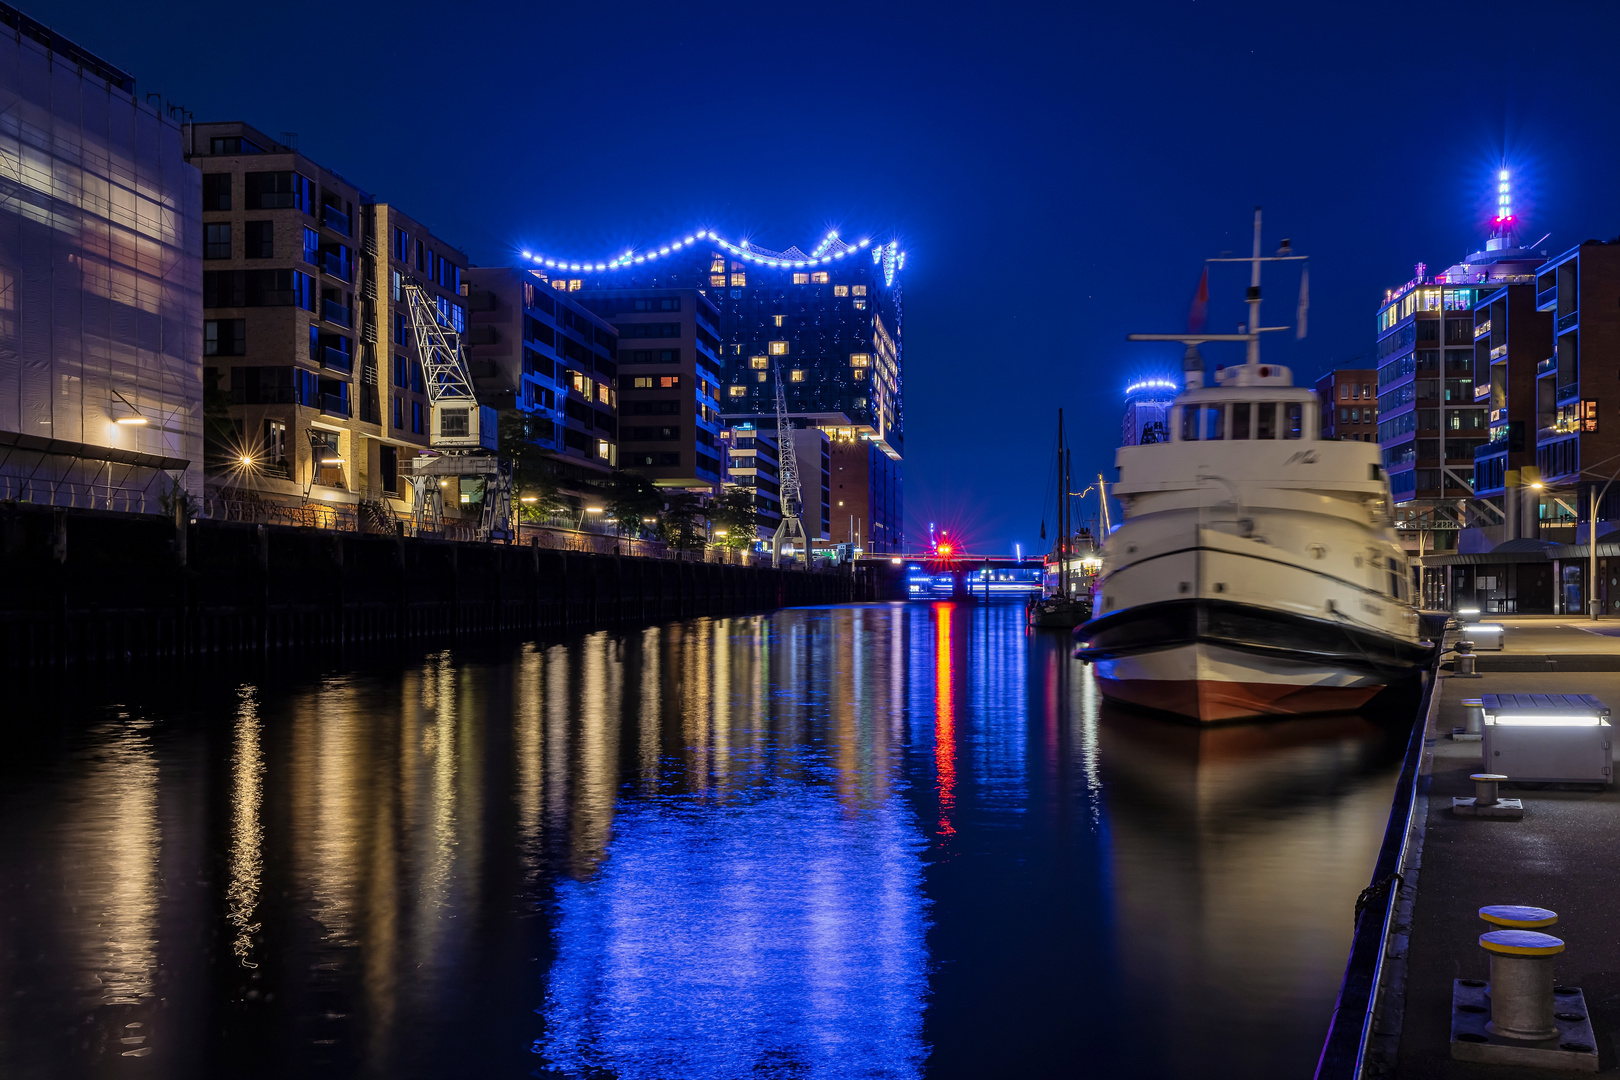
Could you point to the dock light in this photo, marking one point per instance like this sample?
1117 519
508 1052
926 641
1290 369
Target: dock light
649 520
593 509
1537 484
895 560
721 532
528 499
131 421
1548 721
247 460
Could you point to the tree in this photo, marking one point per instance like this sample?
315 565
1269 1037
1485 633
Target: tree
733 512
533 474
631 500
683 522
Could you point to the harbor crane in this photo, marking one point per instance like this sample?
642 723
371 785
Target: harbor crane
461 430
790 529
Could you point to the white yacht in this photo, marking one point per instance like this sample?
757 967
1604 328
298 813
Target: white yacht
1256 572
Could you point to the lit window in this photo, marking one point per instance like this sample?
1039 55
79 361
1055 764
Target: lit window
717 265
581 383
778 319
857 290
669 382
643 382
739 279
819 277
778 348
717 279
760 377
560 286
860 305
602 393
801 279
739 391
602 449
575 284
758 363
796 375
860 373
860 359
840 290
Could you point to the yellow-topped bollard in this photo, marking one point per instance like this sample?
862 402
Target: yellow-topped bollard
1517 916
1521 983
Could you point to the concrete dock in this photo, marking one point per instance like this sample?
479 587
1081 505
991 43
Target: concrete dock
1563 855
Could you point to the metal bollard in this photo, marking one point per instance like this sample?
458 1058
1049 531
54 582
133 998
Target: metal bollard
1464 664
1475 708
1485 787
1521 988
1518 916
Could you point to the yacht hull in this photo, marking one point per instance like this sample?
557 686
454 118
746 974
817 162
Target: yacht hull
1212 661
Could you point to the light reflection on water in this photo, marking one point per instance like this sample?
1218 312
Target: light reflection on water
886 840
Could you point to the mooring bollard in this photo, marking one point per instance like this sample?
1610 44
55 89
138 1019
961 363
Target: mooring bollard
1521 985
1464 665
1518 916
1473 729
1485 787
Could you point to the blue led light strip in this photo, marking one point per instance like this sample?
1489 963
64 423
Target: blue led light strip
888 254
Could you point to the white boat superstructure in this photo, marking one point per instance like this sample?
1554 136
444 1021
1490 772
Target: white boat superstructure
1256 572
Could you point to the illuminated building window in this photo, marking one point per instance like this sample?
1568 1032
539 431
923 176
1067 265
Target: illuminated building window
575 284
798 279
717 279
560 286
717 265
761 376
840 290
739 391
796 375
857 290
860 305
778 348
738 266
778 319
581 383
739 279
643 382
669 382
860 359
860 373
602 393
819 277
758 363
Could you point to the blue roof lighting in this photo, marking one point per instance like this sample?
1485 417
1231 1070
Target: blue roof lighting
831 249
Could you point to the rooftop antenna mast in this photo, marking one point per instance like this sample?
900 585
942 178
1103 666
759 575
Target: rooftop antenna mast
791 528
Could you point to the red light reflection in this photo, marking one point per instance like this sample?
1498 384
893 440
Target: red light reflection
944 719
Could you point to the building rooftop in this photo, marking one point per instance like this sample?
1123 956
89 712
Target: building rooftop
67 50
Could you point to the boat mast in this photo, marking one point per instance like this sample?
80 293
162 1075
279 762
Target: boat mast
1062 523
1254 295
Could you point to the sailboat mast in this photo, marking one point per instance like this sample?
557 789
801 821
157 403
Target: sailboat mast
1254 294
1062 523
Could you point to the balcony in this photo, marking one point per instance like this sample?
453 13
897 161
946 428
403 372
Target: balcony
1569 392
337 358
1546 366
335 219
1567 321
335 404
1482 329
336 265
1547 299
1498 352
332 311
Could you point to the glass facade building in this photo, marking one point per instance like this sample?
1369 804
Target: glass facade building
100 284
828 320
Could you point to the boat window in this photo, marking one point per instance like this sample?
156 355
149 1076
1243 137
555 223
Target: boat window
1189 424
1240 420
1265 420
1293 414
1214 421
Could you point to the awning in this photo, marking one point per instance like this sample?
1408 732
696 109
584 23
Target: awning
64 448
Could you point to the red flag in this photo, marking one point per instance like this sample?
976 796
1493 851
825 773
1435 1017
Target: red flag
1200 304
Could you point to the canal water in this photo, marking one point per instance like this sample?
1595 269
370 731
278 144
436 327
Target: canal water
899 840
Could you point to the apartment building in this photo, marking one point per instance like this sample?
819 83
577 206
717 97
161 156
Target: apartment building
752 460
302 302
669 383
1349 404
100 283
541 353
1512 339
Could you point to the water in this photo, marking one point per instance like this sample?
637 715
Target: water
871 841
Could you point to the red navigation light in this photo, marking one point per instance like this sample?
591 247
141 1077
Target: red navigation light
944 548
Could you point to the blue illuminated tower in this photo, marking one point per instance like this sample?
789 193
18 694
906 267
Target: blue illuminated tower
1147 411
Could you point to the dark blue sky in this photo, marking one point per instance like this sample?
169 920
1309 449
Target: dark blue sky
1057 173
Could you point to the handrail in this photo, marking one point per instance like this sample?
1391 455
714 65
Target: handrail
1344 1051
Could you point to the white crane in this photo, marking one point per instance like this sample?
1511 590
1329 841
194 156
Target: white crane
459 428
791 528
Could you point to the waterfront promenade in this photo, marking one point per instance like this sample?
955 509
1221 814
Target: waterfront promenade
1560 856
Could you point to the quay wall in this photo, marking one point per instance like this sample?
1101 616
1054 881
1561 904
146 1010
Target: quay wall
81 586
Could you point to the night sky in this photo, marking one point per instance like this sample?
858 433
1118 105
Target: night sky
1057 173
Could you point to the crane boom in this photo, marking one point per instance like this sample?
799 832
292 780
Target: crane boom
787 467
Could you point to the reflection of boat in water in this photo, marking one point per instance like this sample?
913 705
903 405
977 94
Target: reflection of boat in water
1257 571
